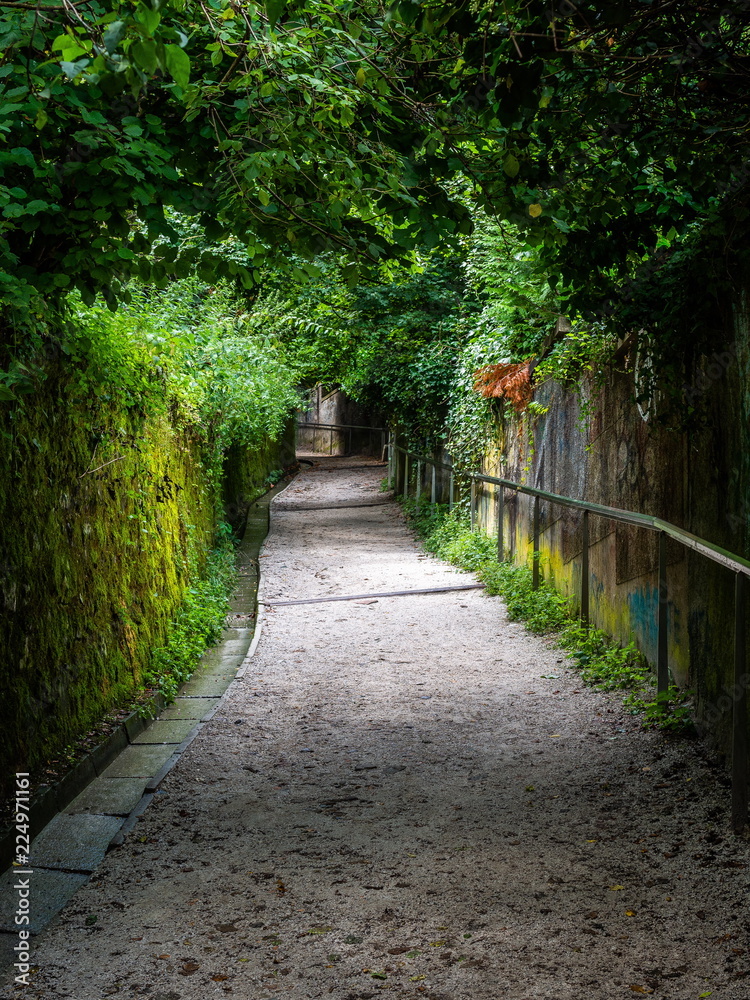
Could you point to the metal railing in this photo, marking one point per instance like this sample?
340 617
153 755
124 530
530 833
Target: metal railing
664 529
345 429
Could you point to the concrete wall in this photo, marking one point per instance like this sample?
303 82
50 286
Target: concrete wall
335 407
601 446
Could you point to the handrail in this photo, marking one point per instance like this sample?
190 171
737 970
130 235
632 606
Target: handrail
687 538
737 564
342 430
342 427
705 548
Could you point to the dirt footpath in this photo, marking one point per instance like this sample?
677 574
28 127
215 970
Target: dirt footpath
410 797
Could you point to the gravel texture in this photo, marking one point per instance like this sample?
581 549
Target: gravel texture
410 797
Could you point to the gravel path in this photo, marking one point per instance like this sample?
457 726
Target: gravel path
410 797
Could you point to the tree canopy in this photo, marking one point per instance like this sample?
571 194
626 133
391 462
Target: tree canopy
599 131
292 134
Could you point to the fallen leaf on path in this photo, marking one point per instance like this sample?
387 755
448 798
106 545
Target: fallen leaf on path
614 888
641 989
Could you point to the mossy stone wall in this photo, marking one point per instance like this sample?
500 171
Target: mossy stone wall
106 514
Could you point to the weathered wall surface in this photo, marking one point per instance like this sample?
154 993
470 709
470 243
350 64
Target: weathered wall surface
105 518
600 446
335 407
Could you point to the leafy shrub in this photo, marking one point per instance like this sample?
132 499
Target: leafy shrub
198 624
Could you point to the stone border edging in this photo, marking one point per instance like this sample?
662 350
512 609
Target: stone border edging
49 800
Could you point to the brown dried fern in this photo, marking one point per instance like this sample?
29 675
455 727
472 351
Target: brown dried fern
506 381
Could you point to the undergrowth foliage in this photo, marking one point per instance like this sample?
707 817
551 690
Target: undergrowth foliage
602 662
199 622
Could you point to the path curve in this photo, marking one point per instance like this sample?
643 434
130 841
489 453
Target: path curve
409 796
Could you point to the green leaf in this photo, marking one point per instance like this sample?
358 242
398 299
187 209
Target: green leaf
148 18
73 69
144 55
178 64
114 35
36 206
274 10
511 166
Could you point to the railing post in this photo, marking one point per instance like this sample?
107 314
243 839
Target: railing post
500 512
419 481
535 566
585 570
330 448
473 505
451 487
433 490
739 714
406 473
662 661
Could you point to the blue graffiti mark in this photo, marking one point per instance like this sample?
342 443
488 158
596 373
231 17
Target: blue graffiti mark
643 605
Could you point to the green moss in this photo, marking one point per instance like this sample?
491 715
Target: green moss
198 623
108 517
